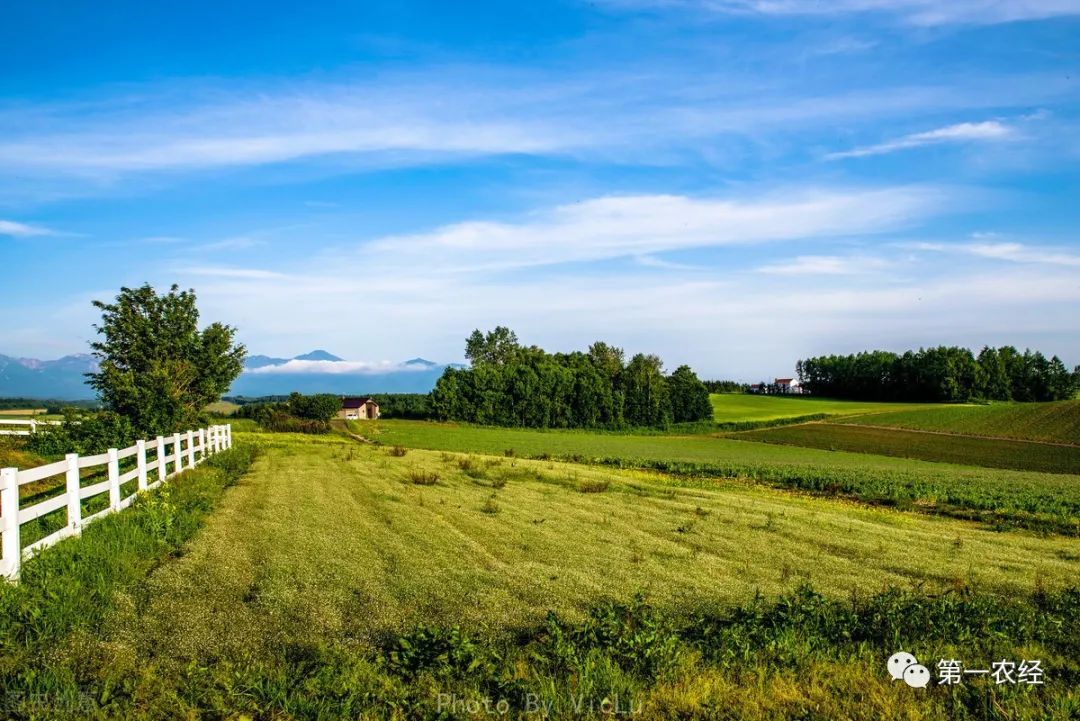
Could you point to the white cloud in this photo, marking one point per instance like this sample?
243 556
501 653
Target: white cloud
915 12
824 265
228 272
990 130
651 114
1020 253
634 226
336 367
22 230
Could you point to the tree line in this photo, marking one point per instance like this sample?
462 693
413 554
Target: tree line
508 384
941 374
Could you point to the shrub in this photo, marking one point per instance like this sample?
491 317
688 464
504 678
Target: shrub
83 433
423 478
490 506
279 422
593 485
397 451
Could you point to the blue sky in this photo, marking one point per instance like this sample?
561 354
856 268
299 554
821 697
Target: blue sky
733 184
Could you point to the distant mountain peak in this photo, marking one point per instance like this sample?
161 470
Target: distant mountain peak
420 362
318 355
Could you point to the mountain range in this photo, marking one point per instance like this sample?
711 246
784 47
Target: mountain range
314 372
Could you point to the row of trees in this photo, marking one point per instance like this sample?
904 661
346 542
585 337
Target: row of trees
942 374
512 385
727 386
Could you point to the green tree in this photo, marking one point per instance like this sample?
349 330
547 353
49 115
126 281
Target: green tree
495 348
647 401
689 397
318 407
156 367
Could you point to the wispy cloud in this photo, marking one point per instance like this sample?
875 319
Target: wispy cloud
989 130
337 367
635 226
1007 251
229 272
651 114
23 230
824 265
915 12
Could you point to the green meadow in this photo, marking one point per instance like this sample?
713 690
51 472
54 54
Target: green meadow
420 570
948 448
336 579
745 407
1056 422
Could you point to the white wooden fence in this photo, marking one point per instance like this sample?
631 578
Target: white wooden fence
24 428
187 450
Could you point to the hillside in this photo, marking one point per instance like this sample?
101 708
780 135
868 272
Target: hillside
1057 422
739 407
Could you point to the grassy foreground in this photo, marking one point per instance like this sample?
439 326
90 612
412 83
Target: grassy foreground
338 580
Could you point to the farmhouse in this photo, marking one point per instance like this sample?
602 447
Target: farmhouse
787 385
355 409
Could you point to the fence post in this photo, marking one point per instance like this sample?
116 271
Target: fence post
161 470
74 503
114 480
202 444
214 437
33 426
228 435
9 498
178 458
140 455
190 449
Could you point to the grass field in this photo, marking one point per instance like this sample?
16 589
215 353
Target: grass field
967 450
1036 500
222 408
22 412
336 580
741 407
1057 422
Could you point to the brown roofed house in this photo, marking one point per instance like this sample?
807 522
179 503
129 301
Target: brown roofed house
355 409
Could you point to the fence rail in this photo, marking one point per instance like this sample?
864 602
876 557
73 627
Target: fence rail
187 450
31 426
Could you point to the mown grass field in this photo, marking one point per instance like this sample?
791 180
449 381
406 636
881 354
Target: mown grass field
740 407
1041 501
1057 422
342 580
967 450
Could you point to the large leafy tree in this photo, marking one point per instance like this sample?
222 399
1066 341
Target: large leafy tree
689 396
157 368
647 400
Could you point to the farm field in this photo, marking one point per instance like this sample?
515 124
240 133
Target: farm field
339 579
1037 500
743 407
503 540
1057 422
222 408
336 580
21 412
969 450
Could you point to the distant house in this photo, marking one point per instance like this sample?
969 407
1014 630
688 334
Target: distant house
757 387
787 385
355 409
